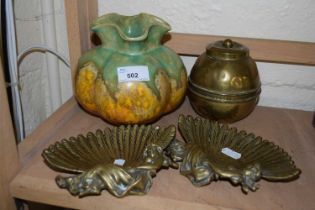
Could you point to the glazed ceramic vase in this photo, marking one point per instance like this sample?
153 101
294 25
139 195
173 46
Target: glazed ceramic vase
130 78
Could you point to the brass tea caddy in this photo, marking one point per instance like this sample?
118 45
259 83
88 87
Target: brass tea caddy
224 83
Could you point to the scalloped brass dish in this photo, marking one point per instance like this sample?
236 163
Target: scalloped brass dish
214 151
122 160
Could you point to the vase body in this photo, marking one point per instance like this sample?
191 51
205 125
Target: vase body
130 78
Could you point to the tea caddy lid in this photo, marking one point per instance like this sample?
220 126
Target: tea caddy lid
227 50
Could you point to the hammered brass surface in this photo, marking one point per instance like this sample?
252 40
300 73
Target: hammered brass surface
203 159
224 83
141 148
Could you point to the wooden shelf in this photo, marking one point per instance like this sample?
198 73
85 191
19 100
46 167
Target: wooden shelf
265 50
290 129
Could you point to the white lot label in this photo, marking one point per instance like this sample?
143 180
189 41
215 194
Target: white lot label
231 153
133 73
119 162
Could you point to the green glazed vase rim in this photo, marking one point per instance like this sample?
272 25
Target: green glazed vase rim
119 21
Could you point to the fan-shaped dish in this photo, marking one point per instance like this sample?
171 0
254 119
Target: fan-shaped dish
121 160
216 151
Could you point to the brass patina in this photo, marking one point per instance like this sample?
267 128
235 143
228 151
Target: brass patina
224 83
203 159
93 157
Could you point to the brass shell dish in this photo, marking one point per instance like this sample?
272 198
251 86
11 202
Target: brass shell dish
94 159
215 151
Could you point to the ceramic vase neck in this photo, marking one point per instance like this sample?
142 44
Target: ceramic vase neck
130 34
